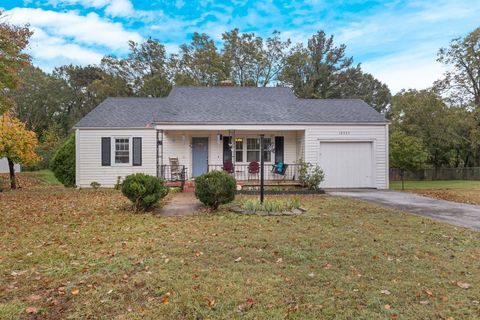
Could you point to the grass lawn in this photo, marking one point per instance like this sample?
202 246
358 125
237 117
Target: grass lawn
77 254
466 191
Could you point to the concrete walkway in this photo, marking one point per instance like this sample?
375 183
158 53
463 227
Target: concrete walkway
181 204
460 214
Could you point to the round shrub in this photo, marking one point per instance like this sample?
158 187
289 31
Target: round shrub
143 190
63 163
215 188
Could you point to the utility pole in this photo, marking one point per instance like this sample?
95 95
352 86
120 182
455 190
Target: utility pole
262 162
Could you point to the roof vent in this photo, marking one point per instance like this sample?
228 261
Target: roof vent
226 83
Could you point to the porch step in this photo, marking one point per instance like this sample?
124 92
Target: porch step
189 186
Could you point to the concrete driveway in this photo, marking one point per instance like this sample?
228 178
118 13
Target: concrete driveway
460 214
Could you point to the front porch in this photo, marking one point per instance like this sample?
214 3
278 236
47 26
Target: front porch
183 155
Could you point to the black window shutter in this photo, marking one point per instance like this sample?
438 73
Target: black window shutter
137 151
279 149
106 151
227 152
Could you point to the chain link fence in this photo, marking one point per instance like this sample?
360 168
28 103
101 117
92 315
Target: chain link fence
472 173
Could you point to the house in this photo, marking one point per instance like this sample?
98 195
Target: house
197 129
4 166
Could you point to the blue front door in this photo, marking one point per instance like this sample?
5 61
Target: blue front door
199 156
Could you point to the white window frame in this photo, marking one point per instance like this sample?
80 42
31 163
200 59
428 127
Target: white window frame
245 149
114 163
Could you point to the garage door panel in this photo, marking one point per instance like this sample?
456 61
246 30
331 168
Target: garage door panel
347 164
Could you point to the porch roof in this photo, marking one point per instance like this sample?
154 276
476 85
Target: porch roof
239 105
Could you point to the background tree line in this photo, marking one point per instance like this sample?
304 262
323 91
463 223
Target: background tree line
444 120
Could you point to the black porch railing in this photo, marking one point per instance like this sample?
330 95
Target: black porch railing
172 173
243 172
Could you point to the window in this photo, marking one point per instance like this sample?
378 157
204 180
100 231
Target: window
122 150
253 149
238 149
267 142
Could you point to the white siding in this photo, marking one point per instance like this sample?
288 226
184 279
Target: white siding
4 166
314 135
89 157
176 144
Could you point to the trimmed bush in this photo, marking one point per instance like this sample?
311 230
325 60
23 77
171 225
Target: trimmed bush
215 188
63 163
143 190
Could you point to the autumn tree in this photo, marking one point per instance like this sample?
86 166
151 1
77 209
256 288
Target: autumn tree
462 80
252 61
13 40
145 69
424 114
17 144
321 70
315 71
198 63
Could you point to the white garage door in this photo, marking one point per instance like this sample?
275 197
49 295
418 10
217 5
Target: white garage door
347 164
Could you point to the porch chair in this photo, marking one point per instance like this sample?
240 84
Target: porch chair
175 169
280 168
228 167
253 168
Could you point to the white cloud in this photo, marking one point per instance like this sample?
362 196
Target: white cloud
414 69
113 8
68 37
50 48
88 30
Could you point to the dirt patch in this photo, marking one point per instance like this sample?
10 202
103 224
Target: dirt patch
455 195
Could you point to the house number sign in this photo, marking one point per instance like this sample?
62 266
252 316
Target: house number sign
344 133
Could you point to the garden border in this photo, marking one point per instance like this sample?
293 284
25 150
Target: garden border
280 192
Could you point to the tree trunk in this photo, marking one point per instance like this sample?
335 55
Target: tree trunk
402 175
13 181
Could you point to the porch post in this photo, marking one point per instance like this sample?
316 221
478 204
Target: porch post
262 162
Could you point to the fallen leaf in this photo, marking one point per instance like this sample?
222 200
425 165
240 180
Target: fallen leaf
463 285
393 316
165 298
327 266
31 310
424 302
75 291
385 292
210 302
429 292
34 297
387 307
279 260
246 306
238 259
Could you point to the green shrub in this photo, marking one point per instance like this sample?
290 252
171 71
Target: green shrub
63 163
310 175
215 188
143 190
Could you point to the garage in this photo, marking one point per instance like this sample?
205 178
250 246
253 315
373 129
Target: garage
347 164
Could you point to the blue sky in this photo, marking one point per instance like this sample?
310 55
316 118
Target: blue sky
396 41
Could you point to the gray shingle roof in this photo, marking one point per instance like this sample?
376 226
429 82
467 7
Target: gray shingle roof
228 105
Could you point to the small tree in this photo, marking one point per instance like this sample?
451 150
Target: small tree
215 188
63 163
17 144
406 153
143 190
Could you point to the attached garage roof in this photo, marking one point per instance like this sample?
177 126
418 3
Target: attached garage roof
228 105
